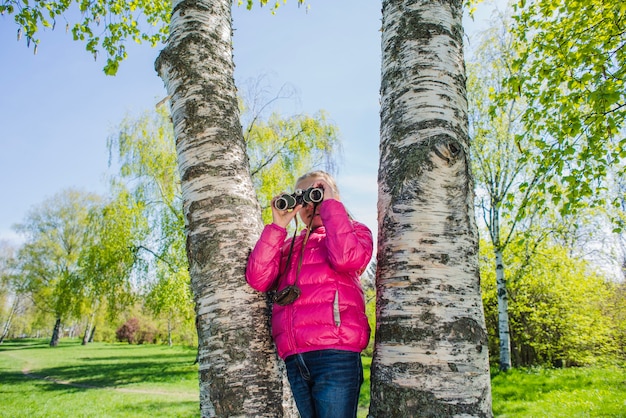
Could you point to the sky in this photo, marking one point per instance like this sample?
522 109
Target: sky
57 108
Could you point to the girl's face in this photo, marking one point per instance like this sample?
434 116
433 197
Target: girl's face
309 211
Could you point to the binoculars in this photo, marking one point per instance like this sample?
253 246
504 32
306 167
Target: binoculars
290 201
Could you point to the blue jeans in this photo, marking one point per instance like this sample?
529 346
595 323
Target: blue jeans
326 383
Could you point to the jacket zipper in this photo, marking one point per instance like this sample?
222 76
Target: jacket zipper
336 315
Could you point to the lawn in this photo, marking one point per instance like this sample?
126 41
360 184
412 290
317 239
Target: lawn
122 380
97 380
555 393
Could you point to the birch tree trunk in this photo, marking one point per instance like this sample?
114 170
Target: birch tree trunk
90 324
169 329
430 355
56 333
238 368
7 324
503 314
493 225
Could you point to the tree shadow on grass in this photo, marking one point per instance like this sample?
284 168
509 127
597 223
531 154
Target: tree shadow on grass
147 409
10 382
101 367
112 375
130 403
22 344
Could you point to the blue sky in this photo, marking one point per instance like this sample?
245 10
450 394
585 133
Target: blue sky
57 108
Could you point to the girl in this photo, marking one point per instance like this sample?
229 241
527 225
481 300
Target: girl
319 324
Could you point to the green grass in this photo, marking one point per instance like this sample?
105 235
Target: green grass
572 392
121 380
547 393
107 380
364 396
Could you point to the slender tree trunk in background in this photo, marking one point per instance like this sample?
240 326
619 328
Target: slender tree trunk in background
56 331
86 334
502 294
431 352
7 323
169 330
503 314
92 333
88 328
238 367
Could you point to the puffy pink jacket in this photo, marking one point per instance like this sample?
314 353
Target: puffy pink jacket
330 312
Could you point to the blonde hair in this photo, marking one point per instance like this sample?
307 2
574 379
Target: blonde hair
322 175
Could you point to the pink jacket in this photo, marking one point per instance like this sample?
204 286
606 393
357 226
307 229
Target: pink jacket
330 312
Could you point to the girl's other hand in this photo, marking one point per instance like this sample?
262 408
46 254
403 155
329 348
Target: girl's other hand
329 193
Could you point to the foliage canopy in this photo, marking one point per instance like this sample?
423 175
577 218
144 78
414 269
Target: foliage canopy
103 25
571 69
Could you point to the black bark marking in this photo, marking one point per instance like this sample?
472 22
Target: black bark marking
401 402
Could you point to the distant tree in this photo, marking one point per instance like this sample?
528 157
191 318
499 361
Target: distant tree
560 307
616 310
430 352
618 216
144 148
55 234
171 296
281 148
510 188
12 288
110 256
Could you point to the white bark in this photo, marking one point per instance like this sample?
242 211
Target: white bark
238 368
90 324
503 314
9 320
502 293
430 356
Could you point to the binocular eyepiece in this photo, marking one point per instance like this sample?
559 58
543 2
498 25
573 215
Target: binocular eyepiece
290 201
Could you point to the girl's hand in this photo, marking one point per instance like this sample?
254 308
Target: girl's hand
283 217
329 193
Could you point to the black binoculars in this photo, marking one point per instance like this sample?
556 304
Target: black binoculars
290 201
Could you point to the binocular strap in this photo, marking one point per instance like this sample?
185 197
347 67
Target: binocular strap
293 240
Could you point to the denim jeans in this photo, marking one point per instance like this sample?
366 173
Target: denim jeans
326 383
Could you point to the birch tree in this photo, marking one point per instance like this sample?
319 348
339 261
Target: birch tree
430 353
497 164
11 288
107 262
508 185
221 212
144 148
56 232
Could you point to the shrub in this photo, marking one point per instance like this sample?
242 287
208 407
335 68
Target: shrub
147 334
128 331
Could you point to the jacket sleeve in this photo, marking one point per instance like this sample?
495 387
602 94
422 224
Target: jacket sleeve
264 261
349 243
